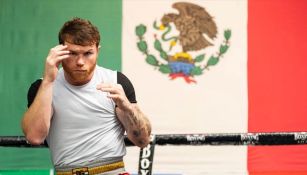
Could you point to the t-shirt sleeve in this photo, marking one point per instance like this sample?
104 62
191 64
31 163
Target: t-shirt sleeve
127 86
33 91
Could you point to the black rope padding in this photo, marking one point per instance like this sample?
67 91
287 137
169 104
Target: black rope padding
278 138
272 138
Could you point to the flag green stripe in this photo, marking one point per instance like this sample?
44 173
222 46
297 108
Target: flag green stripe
28 30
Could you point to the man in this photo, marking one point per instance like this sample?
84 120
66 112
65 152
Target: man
82 109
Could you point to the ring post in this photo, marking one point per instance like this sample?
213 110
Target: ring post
146 157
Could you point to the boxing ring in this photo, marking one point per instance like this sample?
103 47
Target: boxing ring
146 156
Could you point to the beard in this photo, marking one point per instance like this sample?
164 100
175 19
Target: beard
79 77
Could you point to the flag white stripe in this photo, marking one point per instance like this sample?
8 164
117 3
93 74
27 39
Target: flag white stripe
217 103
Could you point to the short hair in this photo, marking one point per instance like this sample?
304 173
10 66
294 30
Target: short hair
80 32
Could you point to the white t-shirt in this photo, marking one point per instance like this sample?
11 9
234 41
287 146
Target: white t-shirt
84 127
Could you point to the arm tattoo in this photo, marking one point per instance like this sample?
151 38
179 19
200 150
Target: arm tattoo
136 133
136 124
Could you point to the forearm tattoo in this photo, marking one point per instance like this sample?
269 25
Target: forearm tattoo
138 125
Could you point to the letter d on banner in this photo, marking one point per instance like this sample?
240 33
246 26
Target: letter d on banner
146 157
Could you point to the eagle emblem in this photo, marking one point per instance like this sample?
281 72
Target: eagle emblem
197 31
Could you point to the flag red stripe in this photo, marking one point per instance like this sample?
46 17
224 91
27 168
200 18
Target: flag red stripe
280 173
277 80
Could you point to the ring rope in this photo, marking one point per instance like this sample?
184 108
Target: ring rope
267 138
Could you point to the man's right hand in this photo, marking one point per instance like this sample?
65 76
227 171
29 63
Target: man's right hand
53 60
36 120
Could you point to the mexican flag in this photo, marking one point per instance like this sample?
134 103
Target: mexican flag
199 66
